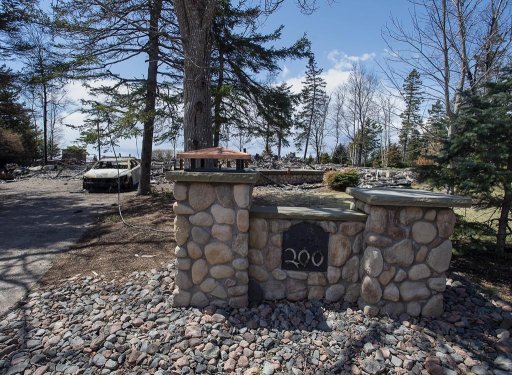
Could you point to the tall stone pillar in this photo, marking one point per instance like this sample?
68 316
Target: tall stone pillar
407 249
211 229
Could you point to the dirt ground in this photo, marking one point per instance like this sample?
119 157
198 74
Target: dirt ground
114 249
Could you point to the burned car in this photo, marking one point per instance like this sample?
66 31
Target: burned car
109 173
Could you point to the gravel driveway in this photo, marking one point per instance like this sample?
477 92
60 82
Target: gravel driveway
40 218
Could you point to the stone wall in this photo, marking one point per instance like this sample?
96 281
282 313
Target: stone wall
291 177
211 230
407 251
340 282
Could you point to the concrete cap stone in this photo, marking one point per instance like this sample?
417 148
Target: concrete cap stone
213 177
306 213
407 198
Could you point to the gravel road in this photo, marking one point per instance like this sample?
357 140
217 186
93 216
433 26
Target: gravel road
40 218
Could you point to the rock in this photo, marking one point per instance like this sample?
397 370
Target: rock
387 275
296 290
183 264
352 293
208 285
241 244
181 298
274 290
437 284
199 299
201 196
400 276
339 250
240 264
221 272
445 222
218 253
223 215
279 274
351 228
334 293
222 232
200 236
258 273
378 241
418 272
400 253
180 191
414 290
315 292
181 230
334 274
409 215
372 261
350 270
503 362
99 360
423 232
439 257
183 280
255 257
242 194
422 254
199 271
391 293
272 258
202 219
194 251
242 220
258 233
181 208
413 308
377 220
372 366
225 195
371 290
430 215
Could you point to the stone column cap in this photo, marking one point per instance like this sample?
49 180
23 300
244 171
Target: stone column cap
219 177
407 197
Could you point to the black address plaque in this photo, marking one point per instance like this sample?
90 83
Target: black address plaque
305 248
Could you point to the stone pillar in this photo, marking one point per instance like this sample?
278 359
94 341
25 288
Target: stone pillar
211 229
407 250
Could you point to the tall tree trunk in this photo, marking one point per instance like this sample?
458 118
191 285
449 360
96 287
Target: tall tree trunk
195 18
218 101
45 124
506 206
150 105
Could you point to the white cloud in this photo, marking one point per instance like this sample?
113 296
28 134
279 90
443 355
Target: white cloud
285 72
344 62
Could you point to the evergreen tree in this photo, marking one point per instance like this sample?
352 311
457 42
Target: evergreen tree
481 149
411 118
340 155
277 113
368 140
313 97
436 130
240 54
19 139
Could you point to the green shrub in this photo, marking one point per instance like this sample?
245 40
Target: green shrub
340 180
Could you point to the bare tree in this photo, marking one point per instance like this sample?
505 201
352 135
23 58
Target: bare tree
360 108
454 44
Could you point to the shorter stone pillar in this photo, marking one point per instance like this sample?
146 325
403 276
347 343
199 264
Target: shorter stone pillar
211 230
407 249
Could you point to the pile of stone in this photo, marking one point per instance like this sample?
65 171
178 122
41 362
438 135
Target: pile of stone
373 178
95 325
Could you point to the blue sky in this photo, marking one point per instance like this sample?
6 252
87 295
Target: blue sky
341 33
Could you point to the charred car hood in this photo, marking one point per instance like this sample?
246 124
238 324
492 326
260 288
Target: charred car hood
106 173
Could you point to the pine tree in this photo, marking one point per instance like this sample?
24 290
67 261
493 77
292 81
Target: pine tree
313 97
411 118
277 110
240 54
18 142
436 129
482 149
